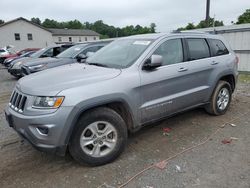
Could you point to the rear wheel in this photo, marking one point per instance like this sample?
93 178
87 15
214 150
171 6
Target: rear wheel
220 99
99 138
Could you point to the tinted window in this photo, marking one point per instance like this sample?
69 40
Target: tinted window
217 47
171 51
198 49
48 53
56 51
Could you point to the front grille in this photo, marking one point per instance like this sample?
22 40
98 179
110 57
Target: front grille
17 101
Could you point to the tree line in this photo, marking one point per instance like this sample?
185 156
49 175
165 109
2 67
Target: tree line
243 18
106 31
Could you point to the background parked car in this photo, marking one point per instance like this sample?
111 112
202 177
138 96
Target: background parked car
77 53
4 52
7 62
13 54
52 51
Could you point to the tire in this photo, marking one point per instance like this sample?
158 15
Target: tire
214 107
104 119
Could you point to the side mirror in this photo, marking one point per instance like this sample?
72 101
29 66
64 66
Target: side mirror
80 57
153 62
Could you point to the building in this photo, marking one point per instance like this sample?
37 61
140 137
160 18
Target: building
238 36
73 35
22 33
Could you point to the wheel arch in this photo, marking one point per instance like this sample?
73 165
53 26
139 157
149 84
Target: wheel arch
118 105
230 79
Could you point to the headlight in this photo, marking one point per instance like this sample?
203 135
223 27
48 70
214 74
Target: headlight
36 67
48 102
18 64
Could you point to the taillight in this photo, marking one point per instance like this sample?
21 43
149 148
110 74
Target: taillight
237 60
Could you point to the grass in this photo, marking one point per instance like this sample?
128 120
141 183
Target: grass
244 77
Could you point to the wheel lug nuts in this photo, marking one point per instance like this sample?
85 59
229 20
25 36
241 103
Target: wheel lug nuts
104 137
94 142
100 142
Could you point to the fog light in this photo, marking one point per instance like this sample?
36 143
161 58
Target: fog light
43 130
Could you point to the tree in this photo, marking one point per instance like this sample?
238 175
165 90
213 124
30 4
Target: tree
211 23
75 24
36 21
202 24
1 22
152 27
190 26
48 23
244 18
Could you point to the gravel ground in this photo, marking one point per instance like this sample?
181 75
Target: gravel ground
212 164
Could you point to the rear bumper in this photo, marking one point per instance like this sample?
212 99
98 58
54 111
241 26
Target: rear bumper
29 128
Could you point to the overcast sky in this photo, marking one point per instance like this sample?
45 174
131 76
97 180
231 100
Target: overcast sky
167 14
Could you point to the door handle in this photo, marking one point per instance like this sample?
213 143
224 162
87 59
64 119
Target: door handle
182 69
214 63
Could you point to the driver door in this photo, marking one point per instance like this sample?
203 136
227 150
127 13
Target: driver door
163 89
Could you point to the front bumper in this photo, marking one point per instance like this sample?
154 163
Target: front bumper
15 72
29 128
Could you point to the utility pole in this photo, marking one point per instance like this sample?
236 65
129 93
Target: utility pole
207 13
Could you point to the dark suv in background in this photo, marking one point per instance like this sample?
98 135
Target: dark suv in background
77 53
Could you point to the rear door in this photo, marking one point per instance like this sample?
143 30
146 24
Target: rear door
201 66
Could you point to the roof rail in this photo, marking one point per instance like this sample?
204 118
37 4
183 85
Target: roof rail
191 32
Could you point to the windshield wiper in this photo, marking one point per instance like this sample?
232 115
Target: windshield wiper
98 64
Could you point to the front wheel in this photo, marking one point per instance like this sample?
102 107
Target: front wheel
220 99
99 138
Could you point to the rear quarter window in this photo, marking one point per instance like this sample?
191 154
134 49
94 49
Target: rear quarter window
198 48
217 47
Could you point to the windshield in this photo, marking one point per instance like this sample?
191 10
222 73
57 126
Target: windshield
120 53
72 51
39 52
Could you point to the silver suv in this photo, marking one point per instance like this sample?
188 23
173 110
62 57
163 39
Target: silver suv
90 108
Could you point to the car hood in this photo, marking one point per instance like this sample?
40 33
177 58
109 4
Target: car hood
50 82
22 59
39 61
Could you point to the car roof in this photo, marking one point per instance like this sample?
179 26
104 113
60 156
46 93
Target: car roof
155 36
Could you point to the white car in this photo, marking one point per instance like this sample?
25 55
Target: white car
4 52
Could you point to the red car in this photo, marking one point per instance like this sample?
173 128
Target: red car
2 58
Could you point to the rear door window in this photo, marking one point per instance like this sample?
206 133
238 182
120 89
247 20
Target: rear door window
217 47
198 48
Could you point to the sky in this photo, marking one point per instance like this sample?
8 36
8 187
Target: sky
168 15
